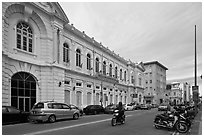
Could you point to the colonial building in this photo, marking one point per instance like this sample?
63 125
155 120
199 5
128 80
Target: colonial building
179 92
175 93
46 58
155 83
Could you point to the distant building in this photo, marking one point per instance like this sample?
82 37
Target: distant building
175 93
179 92
185 87
155 83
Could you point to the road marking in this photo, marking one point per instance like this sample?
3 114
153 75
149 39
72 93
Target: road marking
67 127
14 125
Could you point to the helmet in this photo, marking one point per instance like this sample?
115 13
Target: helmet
120 104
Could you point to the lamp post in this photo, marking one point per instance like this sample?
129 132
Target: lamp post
195 87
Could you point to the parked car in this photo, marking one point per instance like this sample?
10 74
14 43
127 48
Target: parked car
75 107
52 111
110 108
11 115
93 109
137 106
154 105
128 107
163 107
145 106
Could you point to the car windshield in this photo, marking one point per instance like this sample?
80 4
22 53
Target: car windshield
38 105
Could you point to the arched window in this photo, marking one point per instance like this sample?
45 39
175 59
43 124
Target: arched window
78 58
65 53
110 70
132 78
125 76
104 67
116 72
121 72
140 98
88 61
97 65
24 37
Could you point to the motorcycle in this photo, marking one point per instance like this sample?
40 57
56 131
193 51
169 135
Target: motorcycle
172 120
117 119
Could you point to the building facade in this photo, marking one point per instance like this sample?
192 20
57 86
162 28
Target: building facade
46 58
175 93
179 93
155 83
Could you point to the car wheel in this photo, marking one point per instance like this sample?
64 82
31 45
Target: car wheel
76 116
52 119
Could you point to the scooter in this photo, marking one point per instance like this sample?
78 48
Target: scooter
116 119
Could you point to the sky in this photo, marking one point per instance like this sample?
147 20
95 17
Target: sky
145 31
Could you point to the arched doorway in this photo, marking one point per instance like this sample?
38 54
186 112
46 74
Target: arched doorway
97 99
78 98
88 98
23 91
67 96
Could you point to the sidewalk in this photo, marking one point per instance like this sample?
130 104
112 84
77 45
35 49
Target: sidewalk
196 128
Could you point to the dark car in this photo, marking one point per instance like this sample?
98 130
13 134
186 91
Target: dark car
75 107
110 108
145 106
154 105
93 109
11 115
137 106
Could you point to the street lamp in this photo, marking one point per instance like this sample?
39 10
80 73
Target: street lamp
195 87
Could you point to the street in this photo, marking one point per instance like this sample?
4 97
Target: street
138 122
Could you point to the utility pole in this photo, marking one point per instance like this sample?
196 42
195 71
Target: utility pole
195 87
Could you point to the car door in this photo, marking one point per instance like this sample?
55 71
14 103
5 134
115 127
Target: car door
67 111
5 115
57 110
13 115
99 109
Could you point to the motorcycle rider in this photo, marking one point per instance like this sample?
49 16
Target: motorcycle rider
121 109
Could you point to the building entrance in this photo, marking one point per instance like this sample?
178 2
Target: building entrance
23 91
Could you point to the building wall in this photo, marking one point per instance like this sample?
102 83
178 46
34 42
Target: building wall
55 79
155 82
175 94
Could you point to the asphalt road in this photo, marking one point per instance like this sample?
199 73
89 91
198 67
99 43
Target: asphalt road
138 122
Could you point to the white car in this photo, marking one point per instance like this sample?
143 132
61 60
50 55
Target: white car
129 107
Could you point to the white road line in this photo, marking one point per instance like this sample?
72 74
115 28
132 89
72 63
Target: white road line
67 127
14 125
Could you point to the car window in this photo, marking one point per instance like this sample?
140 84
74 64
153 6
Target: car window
13 110
65 106
4 109
38 105
57 106
73 107
49 105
